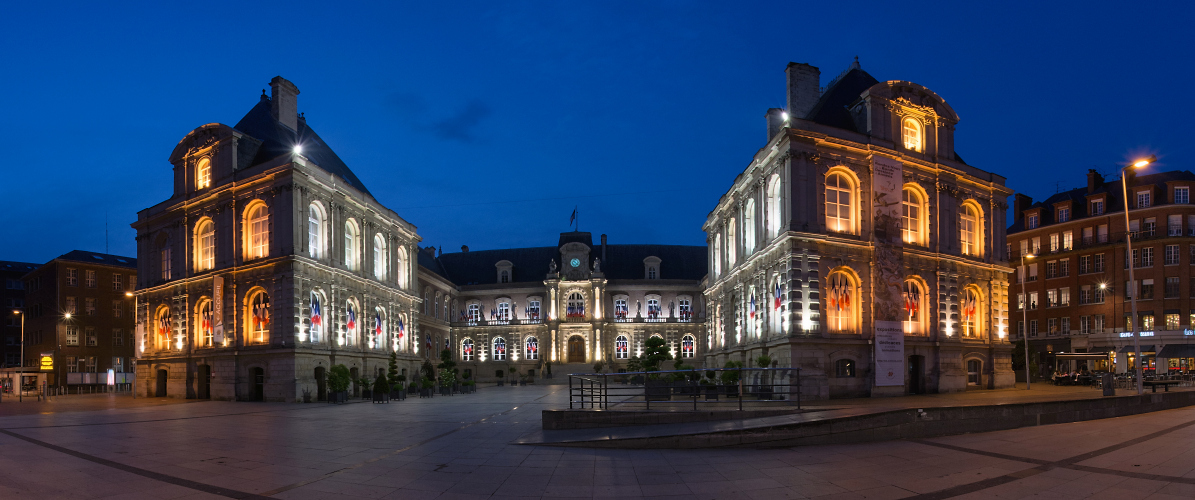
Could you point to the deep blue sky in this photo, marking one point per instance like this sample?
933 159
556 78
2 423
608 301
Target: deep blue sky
641 113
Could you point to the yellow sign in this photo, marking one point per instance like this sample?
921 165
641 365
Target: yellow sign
47 362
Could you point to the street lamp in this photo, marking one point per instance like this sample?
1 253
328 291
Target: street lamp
1128 240
21 375
1025 312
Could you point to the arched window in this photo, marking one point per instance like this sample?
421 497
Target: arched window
915 303
379 256
203 174
205 245
971 307
473 312
652 273
749 228
504 309
688 346
436 306
499 349
974 371
258 317
317 317
315 231
532 348
773 206
400 268
257 240
505 276
841 303
912 134
377 330
620 307
621 347
576 306
351 251
912 217
970 230
163 328
731 243
717 254
653 306
205 336
467 350
533 308
427 300
840 205
351 322
684 310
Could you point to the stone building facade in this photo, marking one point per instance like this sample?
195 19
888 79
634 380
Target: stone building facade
1078 274
269 263
857 215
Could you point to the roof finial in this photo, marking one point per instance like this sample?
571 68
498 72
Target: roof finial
855 65
263 94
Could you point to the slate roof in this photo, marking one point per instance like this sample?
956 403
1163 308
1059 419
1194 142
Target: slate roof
278 139
99 258
20 267
1113 203
677 262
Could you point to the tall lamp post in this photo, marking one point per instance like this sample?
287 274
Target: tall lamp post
21 375
1128 240
1025 312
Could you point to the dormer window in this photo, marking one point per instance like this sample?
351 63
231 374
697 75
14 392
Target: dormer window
1097 207
1182 195
505 271
203 174
1031 222
504 277
1143 199
1064 214
651 268
912 134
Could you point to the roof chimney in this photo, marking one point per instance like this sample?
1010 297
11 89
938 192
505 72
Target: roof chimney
1020 203
775 118
285 103
1094 180
803 91
603 248
464 248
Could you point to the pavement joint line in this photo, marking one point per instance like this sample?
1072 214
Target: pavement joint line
186 483
358 465
125 422
1044 465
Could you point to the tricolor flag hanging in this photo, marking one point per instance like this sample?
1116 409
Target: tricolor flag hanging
261 313
777 296
401 330
752 313
352 323
207 320
377 323
832 297
969 307
316 314
845 300
428 343
164 324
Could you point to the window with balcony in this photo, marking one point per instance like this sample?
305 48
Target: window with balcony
1147 257
1068 240
1064 268
1032 301
1033 328
1151 226
1052 327
1147 289
1088 236
1064 297
1036 244
1051 269
1098 262
1051 298
1054 242
1084 325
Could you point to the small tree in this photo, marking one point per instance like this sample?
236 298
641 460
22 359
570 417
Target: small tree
731 376
339 378
381 386
447 368
656 353
392 372
597 367
634 364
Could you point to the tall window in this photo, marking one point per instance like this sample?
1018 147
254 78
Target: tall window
350 322
839 207
749 227
203 174
971 314
969 230
504 276
620 307
205 246
473 312
840 303
653 307
259 231
1143 199
317 317
914 308
1064 214
533 309
467 349
773 206
1182 195
206 337
688 347
576 306
684 309
504 311
166 258
652 273
499 349
351 237
717 254
379 256
973 371
315 229
621 346
400 268
259 318
912 134
532 352
731 243
911 216
1032 221
89 278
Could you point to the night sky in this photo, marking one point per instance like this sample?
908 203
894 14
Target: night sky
485 123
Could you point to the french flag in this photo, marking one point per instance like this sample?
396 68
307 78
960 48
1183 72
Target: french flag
316 315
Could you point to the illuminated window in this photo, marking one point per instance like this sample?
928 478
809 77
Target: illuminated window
970 307
912 134
499 349
532 348
621 347
911 215
688 347
914 312
620 307
749 227
1143 199
315 231
379 256
731 243
970 235
316 307
839 207
205 321
163 326
473 312
684 309
467 350
351 237
576 306
844 368
203 174
773 206
259 318
205 245
533 308
350 322
717 254
259 231
164 256
504 310
840 296
400 268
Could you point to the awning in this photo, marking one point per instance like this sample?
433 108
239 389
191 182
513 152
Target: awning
1177 351
1129 348
1102 348
1082 355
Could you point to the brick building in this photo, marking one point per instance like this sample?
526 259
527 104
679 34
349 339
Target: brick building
1078 279
79 308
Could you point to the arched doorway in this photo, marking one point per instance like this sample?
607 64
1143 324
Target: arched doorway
353 374
258 379
161 388
204 379
321 384
576 349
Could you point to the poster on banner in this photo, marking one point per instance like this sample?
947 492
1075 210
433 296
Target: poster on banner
890 353
887 182
218 309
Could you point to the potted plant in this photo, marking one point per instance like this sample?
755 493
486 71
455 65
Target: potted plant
425 388
447 381
635 366
512 371
765 388
381 390
597 367
447 368
656 352
468 385
338 384
398 390
730 378
366 388
709 386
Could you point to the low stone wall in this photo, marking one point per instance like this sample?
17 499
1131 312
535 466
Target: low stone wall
589 419
910 424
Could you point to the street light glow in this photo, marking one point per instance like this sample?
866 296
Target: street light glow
68 315
128 294
784 116
298 149
1145 161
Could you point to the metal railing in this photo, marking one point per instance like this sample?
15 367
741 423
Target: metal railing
687 388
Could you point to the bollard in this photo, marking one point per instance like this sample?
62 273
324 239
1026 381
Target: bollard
1109 389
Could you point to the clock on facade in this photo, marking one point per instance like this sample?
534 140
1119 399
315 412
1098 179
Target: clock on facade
575 262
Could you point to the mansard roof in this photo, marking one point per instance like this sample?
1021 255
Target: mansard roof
624 262
99 258
278 139
1114 201
832 108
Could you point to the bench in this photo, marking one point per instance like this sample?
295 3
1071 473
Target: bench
1153 384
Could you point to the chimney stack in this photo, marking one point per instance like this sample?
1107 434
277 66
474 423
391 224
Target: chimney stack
464 248
603 248
803 89
1094 180
285 102
1020 203
776 121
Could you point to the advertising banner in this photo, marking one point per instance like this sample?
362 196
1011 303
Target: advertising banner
218 309
887 183
46 361
890 353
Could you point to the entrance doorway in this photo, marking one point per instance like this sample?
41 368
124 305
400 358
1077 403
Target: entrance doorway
353 374
205 382
576 349
321 384
916 374
160 391
258 377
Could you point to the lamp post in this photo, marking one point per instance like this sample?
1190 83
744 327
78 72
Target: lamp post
1128 240
1025 312
21 375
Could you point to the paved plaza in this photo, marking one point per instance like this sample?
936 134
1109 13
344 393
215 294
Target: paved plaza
460 447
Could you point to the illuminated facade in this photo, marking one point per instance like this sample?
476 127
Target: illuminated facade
269 263
858 213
